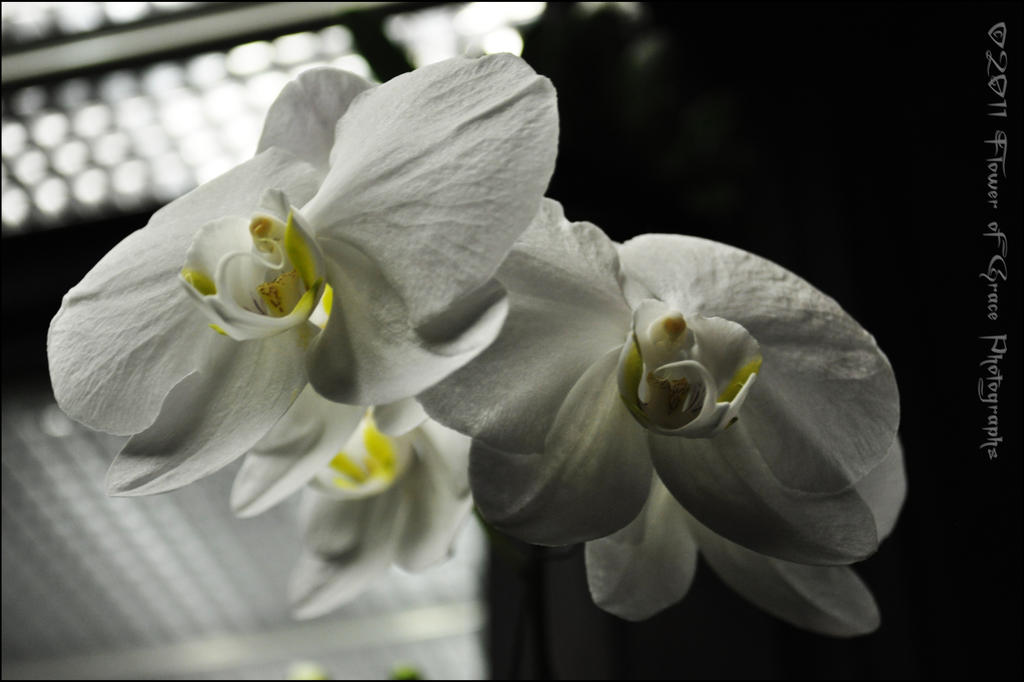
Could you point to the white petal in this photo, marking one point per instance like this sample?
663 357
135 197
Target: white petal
352 543
303 117
435 174
826 398
214 415
884 490
447 449
565 312
437 498
301 443
646 566
724 483
723 346
591 479
399 417
368 353
830 600
127 333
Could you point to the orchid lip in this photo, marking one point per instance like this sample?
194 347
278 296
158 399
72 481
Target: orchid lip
257 277
685 375
368 463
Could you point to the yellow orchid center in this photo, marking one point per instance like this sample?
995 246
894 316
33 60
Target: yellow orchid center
371 457
255 277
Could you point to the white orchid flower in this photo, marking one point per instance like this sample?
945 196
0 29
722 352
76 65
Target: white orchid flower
402 199
382 486
758 401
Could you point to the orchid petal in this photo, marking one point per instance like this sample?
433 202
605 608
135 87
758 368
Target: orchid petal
724 483
724 347
646 566
214 415
827 403
590 480
884 489
435 173
437 498
129 322
830 600
304 116
399 417
565 312
353 542
301 443
368 353
448 450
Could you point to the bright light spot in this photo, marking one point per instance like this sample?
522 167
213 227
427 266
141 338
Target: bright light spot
211 169
336 40
199 147
134 112
264 88
72 93
111 149
206 69
70 158
251 58
296 48
28 101
503 40
428 36
51 196
91 120
30 167
225 102
629 10
54 422
79 17
90 188
163 79
28 20
150 140
131 178
354 63
478 18
241 135
13 136
182 113
125 12
118 85
523 12
307 670
49 129
171 177
15 206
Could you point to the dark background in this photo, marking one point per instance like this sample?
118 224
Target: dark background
845 142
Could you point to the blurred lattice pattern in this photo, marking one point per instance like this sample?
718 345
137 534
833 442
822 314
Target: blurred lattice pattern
174 585
137 137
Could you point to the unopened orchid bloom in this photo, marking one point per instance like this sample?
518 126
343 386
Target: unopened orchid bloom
758 402
380 486
193 334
